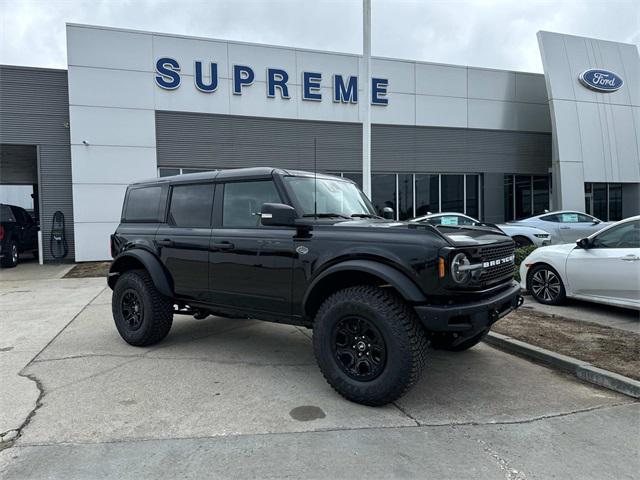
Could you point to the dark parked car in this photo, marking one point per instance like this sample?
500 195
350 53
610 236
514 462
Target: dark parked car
18 234
291 247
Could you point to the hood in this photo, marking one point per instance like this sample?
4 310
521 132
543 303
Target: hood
456 235
564 248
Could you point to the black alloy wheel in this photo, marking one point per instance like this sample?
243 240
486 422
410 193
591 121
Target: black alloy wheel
546 285
132 309
359 348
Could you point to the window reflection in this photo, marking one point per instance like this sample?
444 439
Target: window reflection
452 193
383 191
405 196
427 194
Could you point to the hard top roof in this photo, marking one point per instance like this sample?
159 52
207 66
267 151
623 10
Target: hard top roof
234 174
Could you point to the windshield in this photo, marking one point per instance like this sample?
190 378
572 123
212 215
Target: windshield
334 197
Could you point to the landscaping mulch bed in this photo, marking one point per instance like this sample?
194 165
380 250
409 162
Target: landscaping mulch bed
605 347
89 269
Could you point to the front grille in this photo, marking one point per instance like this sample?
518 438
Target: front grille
497 272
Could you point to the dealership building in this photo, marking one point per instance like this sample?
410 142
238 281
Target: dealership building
495 144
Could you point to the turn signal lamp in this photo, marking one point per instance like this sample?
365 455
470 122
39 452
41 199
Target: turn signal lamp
441 272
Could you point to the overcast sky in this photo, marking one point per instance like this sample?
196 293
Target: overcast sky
499 34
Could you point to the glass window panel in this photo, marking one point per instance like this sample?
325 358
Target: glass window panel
356 177
508 198
523 196
599 201
193 170
452 193
615 202
168 172
427 194
243 200
191 205
143 204
383 191
626 235
405 196
540 194
472 200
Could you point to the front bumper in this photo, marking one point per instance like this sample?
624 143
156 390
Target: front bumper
469 319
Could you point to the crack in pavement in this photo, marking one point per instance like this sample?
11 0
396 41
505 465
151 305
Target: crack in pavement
39 385
452 425
30 415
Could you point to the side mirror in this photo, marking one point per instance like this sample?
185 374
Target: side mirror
388 213
278 215
596 221
583 243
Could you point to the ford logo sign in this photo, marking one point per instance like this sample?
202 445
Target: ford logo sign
600 80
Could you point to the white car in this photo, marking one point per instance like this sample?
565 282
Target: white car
602 268
521 234
565 226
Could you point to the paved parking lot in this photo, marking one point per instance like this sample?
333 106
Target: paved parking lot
242 398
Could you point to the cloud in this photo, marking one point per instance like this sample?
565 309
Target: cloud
498 34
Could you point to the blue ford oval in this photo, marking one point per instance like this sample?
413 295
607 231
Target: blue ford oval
601 80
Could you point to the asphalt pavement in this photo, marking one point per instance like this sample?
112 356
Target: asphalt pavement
241 398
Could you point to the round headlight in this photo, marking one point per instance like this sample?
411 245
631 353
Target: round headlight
460 276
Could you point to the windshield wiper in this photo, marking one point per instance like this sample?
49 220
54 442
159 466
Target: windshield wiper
326 215
365 215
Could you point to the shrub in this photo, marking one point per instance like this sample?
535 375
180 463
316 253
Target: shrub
521 253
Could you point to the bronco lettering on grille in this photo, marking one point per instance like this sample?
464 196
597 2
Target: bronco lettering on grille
499 261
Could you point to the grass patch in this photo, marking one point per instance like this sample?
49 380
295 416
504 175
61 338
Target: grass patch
609 348
89 270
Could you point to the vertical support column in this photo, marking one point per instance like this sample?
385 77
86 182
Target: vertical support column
366 91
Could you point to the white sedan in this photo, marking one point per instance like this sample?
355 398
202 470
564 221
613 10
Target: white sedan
565 226
602 268
521 234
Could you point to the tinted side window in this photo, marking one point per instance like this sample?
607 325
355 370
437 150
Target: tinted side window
143 204
6 214
551 218
623 236
243 200
191 205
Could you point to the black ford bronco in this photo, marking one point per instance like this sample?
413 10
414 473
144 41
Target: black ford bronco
310 250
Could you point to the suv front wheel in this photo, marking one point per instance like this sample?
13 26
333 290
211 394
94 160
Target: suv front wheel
142 315
369 344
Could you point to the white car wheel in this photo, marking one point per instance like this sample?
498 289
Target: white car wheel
545 285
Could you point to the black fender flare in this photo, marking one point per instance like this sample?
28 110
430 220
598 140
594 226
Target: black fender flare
394 277
160 277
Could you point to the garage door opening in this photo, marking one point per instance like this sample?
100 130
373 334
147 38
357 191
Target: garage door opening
19 196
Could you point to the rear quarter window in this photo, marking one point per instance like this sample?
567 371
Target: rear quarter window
6 214
143 204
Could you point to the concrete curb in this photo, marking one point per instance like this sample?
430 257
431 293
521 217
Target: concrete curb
581 369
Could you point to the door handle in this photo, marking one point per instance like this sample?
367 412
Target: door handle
565 228
166 243
222 246
630 258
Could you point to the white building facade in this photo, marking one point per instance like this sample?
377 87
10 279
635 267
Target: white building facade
495 144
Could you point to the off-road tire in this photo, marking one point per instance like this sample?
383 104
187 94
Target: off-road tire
558 299
157 309
404 338
445 341
10 260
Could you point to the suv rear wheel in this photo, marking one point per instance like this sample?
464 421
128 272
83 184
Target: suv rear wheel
10 259
142 315
369 344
